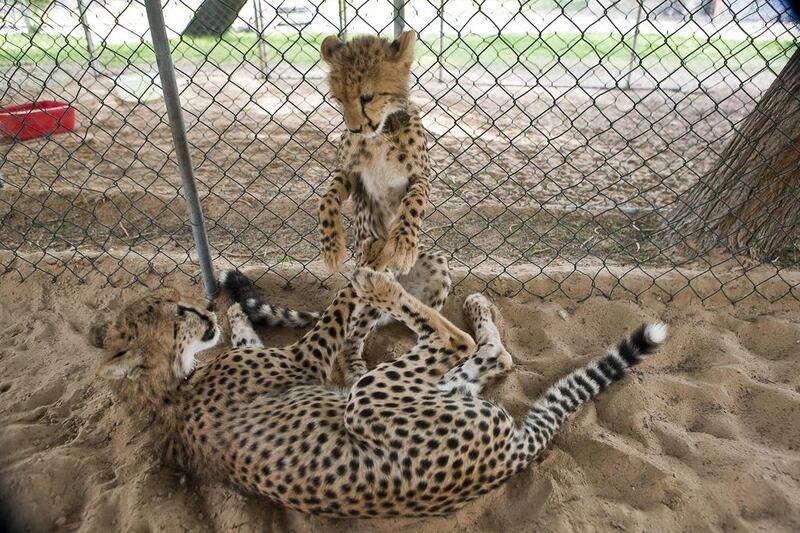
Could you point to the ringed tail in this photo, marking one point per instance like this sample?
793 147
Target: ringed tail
244 292
583 384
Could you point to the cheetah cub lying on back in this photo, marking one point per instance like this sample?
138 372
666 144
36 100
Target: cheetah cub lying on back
384 168
412 437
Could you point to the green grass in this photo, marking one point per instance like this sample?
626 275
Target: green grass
232 49
235 48
596 47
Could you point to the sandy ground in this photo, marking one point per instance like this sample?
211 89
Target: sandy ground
703 437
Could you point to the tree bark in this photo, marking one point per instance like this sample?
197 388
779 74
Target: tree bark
750 201
213 18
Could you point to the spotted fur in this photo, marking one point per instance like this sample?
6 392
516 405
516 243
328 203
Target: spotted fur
382 163
383 167
412 437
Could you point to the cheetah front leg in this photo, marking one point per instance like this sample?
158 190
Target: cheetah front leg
490 360
361 324
401 250
332 237
429 280
248 371
364 318
242 333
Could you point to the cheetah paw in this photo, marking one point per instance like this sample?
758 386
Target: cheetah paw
400 253
372 253
375 286
505 361
236 313
354 373
242 332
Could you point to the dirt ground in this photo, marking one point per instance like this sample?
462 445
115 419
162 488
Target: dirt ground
705 436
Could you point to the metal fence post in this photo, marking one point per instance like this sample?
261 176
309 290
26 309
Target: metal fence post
90 49
399 17
166 72
342 19
441 40
262 50
633 45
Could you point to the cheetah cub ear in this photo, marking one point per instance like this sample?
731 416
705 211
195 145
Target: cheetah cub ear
401 49
330 47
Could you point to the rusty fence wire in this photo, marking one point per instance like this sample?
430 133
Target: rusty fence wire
563 134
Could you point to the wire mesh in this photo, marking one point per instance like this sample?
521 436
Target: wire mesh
563 133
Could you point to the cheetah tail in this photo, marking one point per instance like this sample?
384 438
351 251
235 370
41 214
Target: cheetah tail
583 384
243 291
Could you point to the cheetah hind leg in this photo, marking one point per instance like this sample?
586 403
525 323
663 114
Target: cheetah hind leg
490 359
429 281
444 340
242 332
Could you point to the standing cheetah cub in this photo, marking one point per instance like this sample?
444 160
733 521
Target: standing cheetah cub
412 437
384 168
382 160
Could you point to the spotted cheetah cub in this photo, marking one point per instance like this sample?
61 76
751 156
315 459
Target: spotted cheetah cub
383 167
382 160
412 437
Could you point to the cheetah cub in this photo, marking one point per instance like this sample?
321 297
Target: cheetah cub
412 437
383 167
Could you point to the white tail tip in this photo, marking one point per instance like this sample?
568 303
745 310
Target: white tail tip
656 333
223 278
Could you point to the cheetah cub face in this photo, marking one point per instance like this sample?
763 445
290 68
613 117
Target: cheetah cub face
154 340
369 78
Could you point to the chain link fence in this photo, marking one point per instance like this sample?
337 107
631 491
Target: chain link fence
564 133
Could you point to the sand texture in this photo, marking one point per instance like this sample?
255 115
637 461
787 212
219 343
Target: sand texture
705 436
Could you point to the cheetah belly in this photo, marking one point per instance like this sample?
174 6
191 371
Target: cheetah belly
294 448
386 185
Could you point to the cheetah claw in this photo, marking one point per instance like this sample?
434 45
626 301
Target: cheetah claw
372 254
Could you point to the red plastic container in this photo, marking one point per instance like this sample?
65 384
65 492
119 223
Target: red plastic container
37 119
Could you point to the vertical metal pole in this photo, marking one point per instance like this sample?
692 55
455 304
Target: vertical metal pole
166 72
262 49
633 46
716 9
88 34
342 19
399 17
441 40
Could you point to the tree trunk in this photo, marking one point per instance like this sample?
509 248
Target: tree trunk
213 18
750 201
